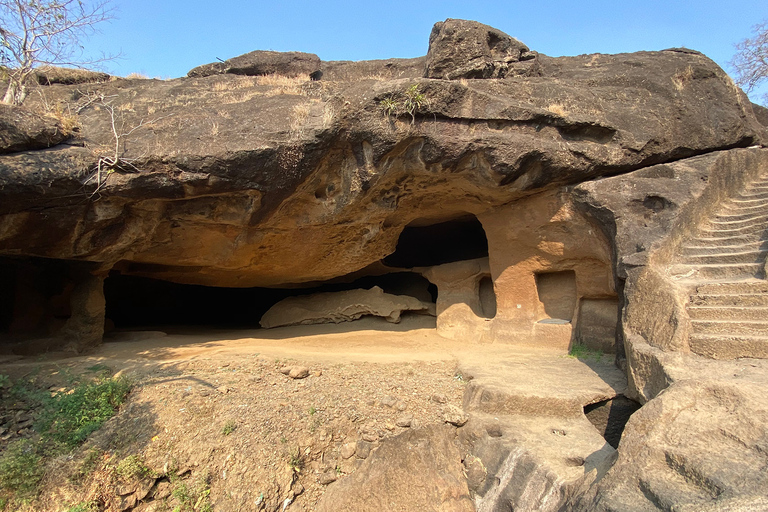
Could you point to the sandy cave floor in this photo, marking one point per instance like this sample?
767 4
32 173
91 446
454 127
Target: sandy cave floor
368 380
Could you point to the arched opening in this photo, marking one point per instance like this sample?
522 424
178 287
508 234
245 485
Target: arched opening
425 243
487 297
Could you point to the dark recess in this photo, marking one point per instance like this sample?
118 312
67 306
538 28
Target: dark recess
143 302
455 240
610 417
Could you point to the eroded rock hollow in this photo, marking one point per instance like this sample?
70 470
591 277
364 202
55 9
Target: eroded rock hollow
519 198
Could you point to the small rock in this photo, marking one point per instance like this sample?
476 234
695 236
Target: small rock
389 426
400 406
404 421
348 450
370 437
125 489
439 398
162 491
388 401
363 449
494 430
285 370
297 489
317 373
222 389
298 372
455 416
127 503
144 487
328 477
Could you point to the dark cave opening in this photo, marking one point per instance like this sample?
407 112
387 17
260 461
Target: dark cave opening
34 296
424 245
140 302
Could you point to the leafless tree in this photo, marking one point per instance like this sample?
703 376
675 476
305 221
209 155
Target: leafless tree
751 60
45 32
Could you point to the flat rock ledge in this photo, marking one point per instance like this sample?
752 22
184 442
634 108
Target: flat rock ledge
345 306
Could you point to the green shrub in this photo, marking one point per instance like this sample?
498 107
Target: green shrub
70 418
21 468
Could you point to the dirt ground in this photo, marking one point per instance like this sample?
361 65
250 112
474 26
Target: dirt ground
214 413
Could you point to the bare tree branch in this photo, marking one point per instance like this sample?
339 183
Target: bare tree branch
46 32
751 60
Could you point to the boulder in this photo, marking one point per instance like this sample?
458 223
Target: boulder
337 307
417 470
262 62
50 75
24 130
468 49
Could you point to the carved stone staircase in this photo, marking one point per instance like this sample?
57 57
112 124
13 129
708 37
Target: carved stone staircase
725 266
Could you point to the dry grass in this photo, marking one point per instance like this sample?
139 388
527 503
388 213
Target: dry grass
329 114
558 108
681 78
137 76
298 119
240 82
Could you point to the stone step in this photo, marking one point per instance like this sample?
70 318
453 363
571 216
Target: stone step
729 347
745 286
736 224
730 313
740 208
731 327
708 272
751 195
725 258
715 241
710 231
735 219
700 250
732 299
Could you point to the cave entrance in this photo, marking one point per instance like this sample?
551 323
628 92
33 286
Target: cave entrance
425 243
142 303
34 297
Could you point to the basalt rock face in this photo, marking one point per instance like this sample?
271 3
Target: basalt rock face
230 175
466 49
262 62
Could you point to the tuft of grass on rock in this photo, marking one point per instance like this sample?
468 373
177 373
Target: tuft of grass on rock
585 353
133 468
229 427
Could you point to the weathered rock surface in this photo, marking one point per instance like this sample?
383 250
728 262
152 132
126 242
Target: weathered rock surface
24 130
529 445
261 62
418 470
467 49
237 176
697 446
336 307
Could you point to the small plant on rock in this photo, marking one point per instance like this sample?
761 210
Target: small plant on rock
132 467
414 101
229 427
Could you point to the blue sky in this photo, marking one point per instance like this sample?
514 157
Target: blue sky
166 38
